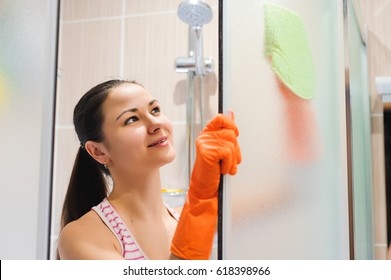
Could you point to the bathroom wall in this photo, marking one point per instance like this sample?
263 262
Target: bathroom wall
130 39
289 199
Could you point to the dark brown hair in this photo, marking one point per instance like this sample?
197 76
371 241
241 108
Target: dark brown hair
87 186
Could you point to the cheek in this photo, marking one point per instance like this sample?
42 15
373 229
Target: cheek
167 124
127 144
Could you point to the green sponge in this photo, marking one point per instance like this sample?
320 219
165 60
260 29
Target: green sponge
286 44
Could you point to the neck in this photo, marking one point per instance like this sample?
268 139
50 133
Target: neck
138 194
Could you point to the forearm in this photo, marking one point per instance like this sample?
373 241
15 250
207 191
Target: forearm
218 153
196 229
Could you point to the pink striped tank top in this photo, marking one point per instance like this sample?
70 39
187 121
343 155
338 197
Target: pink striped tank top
130 249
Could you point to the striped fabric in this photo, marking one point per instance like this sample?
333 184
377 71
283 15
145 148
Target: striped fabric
130 249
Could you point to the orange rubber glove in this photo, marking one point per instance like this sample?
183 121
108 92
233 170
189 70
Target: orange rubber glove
217 152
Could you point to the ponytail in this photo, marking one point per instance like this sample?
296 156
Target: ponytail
87 188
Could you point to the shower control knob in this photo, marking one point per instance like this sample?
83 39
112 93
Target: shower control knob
185 64
208 65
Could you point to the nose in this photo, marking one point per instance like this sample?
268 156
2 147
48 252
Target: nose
154 124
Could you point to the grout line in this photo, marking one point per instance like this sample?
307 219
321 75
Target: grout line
152 14
69 126
90 20
118 17
382 245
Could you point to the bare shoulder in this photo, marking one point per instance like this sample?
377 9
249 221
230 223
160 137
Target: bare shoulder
88 238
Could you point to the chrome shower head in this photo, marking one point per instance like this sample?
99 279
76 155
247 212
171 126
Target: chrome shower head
195 12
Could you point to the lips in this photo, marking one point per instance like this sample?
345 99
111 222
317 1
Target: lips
158 142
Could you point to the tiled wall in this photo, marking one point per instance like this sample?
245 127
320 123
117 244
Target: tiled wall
130 39
377 20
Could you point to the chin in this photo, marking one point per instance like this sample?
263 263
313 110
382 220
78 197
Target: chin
168 158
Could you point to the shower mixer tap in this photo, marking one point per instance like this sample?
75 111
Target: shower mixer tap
195 13
188 64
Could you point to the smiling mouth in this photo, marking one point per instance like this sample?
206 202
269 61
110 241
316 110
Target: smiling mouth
158 142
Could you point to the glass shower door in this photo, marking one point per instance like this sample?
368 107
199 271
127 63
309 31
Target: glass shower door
289 199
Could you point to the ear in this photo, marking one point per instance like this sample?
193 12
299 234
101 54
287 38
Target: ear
97 151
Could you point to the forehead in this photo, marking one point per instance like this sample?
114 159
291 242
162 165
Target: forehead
128 92
125 96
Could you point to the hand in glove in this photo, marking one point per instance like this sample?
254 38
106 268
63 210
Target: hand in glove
217 152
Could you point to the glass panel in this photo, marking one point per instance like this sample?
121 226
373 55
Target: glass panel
361 141
289 198
27 83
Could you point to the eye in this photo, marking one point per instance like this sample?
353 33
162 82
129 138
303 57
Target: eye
155 110
131 120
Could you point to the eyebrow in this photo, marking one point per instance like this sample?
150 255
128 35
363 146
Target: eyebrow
134 109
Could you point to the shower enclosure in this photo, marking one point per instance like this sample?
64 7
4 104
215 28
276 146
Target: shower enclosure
284 203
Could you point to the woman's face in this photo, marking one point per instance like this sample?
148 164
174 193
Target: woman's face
137 134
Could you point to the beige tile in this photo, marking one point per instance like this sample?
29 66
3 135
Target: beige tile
373 71
90 53
88 9
209 91
211 37
101 51
378 23
386 34
152 6
149 58
213 3
377 124
381 253
377 104
69 78
379 192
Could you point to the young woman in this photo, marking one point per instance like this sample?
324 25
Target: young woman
123 134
